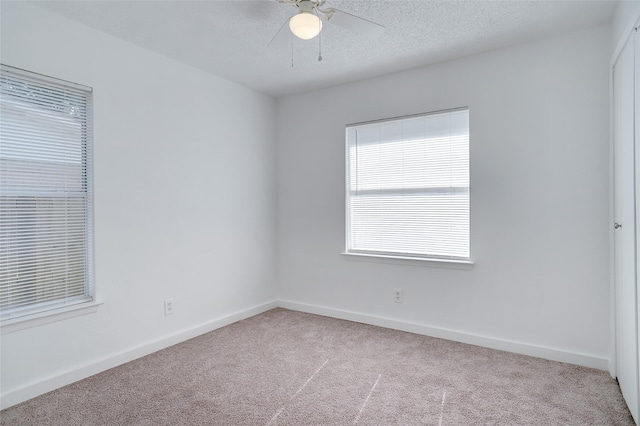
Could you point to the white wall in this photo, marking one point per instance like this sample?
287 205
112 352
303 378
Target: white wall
184 201
539 202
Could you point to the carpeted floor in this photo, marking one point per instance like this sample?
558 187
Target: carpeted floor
290 368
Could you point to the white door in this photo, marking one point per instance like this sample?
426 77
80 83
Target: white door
624 235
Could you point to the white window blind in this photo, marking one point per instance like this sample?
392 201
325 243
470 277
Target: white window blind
45 193
407 189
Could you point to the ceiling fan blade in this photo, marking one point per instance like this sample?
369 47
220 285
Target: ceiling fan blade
282 39
356 24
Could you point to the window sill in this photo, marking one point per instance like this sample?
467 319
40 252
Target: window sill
412 261
42 318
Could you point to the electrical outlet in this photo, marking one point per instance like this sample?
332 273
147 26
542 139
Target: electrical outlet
168 307
398 295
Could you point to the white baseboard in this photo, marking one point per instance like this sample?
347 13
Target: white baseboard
48 384
457 336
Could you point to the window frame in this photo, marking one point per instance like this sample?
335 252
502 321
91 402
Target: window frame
17 318
396 257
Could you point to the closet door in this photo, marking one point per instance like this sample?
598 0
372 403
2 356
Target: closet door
626 316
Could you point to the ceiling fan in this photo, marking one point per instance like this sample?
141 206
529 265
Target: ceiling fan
308 22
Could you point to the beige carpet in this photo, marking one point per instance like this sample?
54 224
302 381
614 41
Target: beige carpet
289 368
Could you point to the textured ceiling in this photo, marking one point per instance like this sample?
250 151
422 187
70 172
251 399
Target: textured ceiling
230 38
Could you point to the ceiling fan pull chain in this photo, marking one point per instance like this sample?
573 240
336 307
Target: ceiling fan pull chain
291 50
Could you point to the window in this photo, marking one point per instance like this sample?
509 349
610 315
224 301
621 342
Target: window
407 189
45 194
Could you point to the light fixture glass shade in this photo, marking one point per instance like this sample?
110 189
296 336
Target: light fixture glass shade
305 25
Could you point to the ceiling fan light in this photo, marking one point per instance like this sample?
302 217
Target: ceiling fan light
305 25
